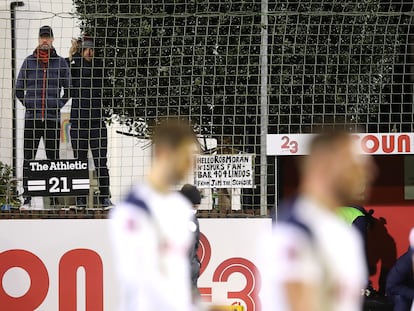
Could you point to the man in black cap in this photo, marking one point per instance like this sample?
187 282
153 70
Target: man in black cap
193 195
88 129
42 77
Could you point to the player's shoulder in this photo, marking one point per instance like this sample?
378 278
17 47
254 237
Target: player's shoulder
291 224
137 201
178 207
289 234
342 228
350 233
181 201
339 234
323 221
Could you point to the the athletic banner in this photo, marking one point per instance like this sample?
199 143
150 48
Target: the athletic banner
375 144
224 171
56 178
65 265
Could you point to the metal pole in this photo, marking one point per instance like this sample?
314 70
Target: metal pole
263 107
13 6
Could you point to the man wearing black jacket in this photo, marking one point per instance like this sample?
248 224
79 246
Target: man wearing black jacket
400 283
88 129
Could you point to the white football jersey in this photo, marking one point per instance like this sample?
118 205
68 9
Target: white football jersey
151 237
330 257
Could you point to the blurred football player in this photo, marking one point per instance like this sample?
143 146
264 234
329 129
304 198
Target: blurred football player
150 229
313 261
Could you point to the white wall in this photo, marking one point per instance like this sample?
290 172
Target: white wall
129 160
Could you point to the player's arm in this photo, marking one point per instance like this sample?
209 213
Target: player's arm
301 295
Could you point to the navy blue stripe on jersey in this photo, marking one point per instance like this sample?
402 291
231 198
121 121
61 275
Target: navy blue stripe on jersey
137 202
288 216
300 225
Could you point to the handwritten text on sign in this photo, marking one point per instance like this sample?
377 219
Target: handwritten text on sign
224 171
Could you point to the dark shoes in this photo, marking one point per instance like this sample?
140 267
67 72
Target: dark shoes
80 202
106 203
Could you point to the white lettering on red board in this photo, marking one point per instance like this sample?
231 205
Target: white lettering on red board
39 279
374 144
92 263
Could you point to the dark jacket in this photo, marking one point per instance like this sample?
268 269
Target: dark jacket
400 280
194 260
86 92
39 86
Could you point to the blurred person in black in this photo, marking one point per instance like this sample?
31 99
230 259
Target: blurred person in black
193 195
400 283
88 129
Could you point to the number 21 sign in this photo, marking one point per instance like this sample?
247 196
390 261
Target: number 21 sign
56 178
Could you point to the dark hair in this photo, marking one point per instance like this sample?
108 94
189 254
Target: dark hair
191 193
172 133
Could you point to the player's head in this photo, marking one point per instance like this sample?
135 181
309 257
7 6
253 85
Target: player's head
174 147
335 164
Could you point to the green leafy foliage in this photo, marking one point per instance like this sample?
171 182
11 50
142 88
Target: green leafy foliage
197 59
337 61
8 193
329 61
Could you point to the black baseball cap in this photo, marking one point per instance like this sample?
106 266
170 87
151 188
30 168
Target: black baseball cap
87 42
191 193
46 31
